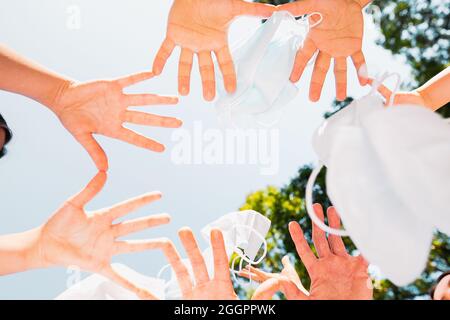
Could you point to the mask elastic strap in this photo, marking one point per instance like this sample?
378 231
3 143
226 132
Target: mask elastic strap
310 209
234 273
380 80
161 271
315 24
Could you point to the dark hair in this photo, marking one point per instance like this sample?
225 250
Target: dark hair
442 276
8 135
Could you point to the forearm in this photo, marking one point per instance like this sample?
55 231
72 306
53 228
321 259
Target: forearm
20 252
24 77
436 92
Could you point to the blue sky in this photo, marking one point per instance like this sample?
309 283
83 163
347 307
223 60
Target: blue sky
45 165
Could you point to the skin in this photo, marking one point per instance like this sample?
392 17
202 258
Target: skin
200 27
442 291
88 240
335 275
220 286
87 108
337 37
433 95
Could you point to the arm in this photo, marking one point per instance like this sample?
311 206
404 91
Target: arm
20 252
84 109
89 240
22 76
435 93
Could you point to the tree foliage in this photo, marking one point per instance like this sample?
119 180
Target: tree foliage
420 32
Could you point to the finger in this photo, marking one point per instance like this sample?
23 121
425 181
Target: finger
184 71
147 119
320 71
290 272
221 264
94 150
291 291
148 99
113 275
301 245
131 205
163 54
336 243
241 7
135 225
267 290
130 246
340 75
134 78
318 235
302 58
361 67
139 140
206 66
298 8
180 269
90 191
261 274
385 92
251 276
227 68
197 262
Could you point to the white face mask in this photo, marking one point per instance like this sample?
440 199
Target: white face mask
97 287
244 233
388 175
263 90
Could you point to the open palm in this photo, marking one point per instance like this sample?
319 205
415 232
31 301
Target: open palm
101 107
334 274
73 237
338 36
201 27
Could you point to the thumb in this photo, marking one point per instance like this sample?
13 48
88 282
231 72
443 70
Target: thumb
241 7
266 290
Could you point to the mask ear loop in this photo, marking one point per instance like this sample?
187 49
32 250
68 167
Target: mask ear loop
377 82
315 24
310 209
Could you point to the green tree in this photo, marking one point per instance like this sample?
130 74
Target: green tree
282 205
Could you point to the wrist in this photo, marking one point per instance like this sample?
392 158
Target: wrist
32 253
56 95
21 252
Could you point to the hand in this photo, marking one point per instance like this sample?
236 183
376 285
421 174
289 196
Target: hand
412 97
73 236
335 275
338 36
220 286
100 107
272 280
201 26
